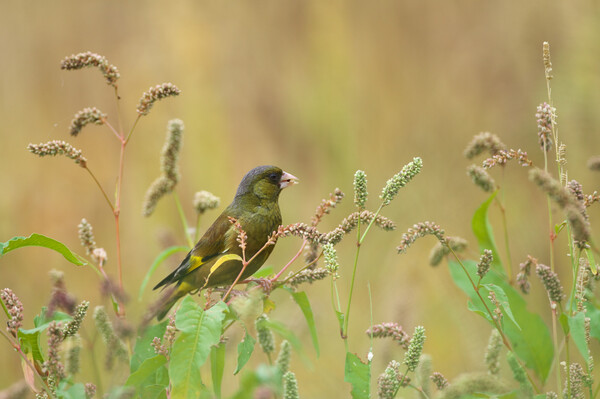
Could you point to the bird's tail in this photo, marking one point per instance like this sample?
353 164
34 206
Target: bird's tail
166 302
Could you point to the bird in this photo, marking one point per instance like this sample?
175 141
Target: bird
216 259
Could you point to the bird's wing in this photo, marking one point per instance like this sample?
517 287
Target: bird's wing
213 248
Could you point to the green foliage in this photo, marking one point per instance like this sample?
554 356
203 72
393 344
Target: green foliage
302 300
482 229
358 374
245 349
199 331
38 240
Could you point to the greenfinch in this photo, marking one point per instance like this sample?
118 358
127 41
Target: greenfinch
216 260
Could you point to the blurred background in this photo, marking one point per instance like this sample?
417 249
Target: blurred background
320 88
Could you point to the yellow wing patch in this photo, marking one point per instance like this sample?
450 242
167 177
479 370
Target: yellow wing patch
219 263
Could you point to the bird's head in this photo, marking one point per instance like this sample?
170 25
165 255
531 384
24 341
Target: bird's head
266 182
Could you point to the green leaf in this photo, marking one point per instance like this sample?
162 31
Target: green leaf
558 227
264 271
531 342
286 333
245 349
358 374
157 261
302 300
143 345
483 232
592 262
577 329
146 373
30 343
39 240
217 366
199 331
42 321
340 318
76 391
503 301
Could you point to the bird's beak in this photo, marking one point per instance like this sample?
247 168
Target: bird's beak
287 180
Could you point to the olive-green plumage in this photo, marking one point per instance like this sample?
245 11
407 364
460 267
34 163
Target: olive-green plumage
255 206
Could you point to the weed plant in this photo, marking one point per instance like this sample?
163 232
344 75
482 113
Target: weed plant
168 359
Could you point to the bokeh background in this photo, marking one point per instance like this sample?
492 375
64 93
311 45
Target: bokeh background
320 88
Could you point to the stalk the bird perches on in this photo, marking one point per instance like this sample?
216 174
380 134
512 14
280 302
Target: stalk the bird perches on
216 259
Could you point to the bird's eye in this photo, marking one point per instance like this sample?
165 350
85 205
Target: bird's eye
274 177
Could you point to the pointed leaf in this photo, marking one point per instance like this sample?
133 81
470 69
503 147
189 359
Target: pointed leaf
199 331
532 341
39 240
143 345
483 232
217 366
245 349
503 301
302 300
358 374
592 262
577 329
145 372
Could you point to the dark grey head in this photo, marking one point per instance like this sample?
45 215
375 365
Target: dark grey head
265 182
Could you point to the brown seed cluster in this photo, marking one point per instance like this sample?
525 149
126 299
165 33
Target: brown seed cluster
58 147
154 94
89 59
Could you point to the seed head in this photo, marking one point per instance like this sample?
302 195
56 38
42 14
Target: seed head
58 147
15 311
391 330
440 381
204 200
594 163
503 156
90 390
415 348
439 251
72 356
84 117
360 189
309 276
481 178
484 142
265 335
545 116
331 260
400 180
389 381
158 189
171 149
547 61
524 273
484 263
283 359
89 59
154 94
551 282
492 353
86 236
290 386
419 230
72 327
115 347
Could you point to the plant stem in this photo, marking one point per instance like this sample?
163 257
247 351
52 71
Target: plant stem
509 268
112 208
183 220
197 231
17 348
495 322
359 241
304 242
